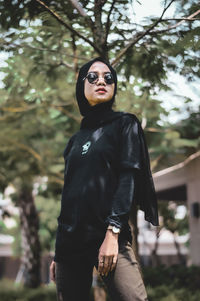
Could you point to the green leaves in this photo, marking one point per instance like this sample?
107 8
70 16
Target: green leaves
48 209
38 110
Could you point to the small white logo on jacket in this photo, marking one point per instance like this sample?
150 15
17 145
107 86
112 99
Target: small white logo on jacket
86 147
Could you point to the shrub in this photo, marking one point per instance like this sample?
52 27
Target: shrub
175 283
176 276
168 293
11 292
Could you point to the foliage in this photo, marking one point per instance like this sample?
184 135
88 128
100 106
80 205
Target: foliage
45 57
176 276
170 293
168 212
48 209
107 28
11 292
38 108
31 144
189 129
15 233
177 226
46 45
175 283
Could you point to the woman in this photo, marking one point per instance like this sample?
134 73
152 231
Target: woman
106 169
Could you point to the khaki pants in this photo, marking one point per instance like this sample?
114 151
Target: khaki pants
124 283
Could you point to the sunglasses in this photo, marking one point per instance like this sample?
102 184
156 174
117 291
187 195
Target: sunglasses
93 77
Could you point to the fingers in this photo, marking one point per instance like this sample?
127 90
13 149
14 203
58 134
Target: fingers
114 262
100 264
53 271
107 253
106 264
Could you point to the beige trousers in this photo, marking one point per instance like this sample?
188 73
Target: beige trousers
124 283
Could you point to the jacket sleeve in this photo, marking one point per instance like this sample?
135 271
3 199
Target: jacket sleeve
122 200
129 163
130 148
134 154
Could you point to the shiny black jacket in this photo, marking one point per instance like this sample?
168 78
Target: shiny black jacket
107 146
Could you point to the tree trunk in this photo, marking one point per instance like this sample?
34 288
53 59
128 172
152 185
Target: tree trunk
29 238
99 34
177 246
154 256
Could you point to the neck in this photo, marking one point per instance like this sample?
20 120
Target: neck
99 108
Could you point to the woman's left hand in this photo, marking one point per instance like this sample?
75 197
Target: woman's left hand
108 253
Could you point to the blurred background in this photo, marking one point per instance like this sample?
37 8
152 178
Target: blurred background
154 46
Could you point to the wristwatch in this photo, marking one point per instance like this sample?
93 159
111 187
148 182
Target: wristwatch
114 229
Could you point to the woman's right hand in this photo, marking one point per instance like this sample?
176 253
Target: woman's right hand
53 271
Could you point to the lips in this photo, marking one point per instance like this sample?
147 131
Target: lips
102 90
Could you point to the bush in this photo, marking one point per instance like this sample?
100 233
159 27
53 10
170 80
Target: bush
176 276
11 292
175 283
168 293
160 293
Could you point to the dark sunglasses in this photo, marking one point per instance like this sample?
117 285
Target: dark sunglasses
92 78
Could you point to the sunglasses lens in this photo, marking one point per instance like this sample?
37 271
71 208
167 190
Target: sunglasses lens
109 79
92 77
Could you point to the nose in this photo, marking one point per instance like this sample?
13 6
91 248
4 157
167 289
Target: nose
101 81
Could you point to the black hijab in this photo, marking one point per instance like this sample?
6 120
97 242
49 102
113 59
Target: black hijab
84 106
99 114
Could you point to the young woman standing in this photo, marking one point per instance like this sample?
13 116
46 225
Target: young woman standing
106 170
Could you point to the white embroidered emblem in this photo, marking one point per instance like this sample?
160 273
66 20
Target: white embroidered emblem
86 147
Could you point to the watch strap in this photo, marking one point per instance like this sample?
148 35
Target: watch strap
114 229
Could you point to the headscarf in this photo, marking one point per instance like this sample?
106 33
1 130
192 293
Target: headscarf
84 106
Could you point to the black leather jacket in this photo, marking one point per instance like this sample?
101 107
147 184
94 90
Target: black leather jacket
106 169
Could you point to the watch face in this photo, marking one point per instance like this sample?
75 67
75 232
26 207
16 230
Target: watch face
115 229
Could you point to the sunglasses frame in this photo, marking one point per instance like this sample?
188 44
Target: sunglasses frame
97 77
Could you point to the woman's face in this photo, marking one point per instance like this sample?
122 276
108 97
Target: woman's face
99 91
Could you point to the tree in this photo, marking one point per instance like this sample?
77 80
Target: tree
38 111
173 224
33 135
107 27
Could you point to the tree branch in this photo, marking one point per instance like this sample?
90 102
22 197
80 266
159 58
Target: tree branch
58 18
75 59
46 49
19 109
98 30
79 8
24 147
66 112
108 19
150 30
82 12
139 36
66 65
54 179
189 18
180 19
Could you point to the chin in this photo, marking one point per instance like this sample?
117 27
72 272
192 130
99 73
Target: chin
101 100
97 101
